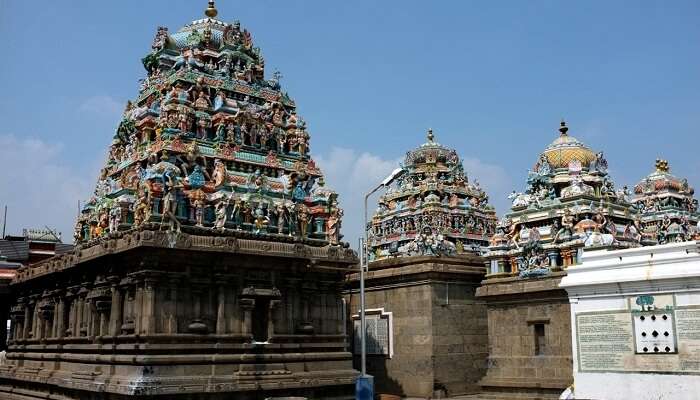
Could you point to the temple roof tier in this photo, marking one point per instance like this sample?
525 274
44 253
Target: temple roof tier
210 143
432 209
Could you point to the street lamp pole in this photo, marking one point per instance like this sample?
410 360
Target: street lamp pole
364 261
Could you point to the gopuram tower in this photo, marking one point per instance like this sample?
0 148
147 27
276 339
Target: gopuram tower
669 213
208 262
571 203
432 209
426 332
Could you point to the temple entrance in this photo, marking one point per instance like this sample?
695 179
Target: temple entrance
261 319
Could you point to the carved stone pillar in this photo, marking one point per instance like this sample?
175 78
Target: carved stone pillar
149 306
138 307
247 305
70 307
60 318
27 321
272 322
221 310
115 315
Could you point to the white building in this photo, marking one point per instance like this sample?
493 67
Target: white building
635 317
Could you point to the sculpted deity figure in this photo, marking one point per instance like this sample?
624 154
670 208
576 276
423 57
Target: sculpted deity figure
183 122
203 124
142 207
333 225
600 164
280 211
202 102
220 213
576 187
632 230
169 207
603 223
261 220
304 218
236 213
543 167
221 131
219 174
115 218
567 225
199 207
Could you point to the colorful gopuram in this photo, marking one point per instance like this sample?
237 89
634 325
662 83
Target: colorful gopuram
208 263
669 213
570 203
432 209
210 145
425 241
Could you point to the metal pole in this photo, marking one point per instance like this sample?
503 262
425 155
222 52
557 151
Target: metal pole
363 265
4 223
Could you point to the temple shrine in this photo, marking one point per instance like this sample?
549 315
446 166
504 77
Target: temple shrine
209 261
427 335
669 213
432 208
570 203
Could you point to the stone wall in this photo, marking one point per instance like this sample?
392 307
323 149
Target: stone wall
519 311
132 317
439 329
459 335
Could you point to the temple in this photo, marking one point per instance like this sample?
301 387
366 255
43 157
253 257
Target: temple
570 203
432 208
209 260
426 331
669 213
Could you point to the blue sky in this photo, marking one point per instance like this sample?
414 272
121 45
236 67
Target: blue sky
492 78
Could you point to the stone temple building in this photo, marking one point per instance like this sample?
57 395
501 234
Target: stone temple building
208 263
570 203
669 213
426 331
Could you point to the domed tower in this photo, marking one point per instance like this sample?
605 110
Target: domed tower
432 209
570 202
669 213
210 235
425 244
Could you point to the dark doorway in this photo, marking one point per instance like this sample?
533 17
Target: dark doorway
260 319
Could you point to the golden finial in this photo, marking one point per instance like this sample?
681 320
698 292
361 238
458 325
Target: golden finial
430 135
661 165
211 11
563 128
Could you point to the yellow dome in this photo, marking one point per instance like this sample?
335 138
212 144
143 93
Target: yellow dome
565 149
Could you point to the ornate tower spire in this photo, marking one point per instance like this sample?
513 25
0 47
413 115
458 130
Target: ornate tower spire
563 128
211 11
431 137
662 165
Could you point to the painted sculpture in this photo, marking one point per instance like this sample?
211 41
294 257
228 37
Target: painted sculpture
570 203
210 144
432 209
669 212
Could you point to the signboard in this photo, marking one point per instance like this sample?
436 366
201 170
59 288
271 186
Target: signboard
378 325
651 335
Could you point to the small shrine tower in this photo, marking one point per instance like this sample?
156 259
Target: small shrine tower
669 212
570 203
432 209
425 242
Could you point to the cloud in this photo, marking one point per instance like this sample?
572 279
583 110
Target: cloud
38 188
494 179
104 106
353 174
